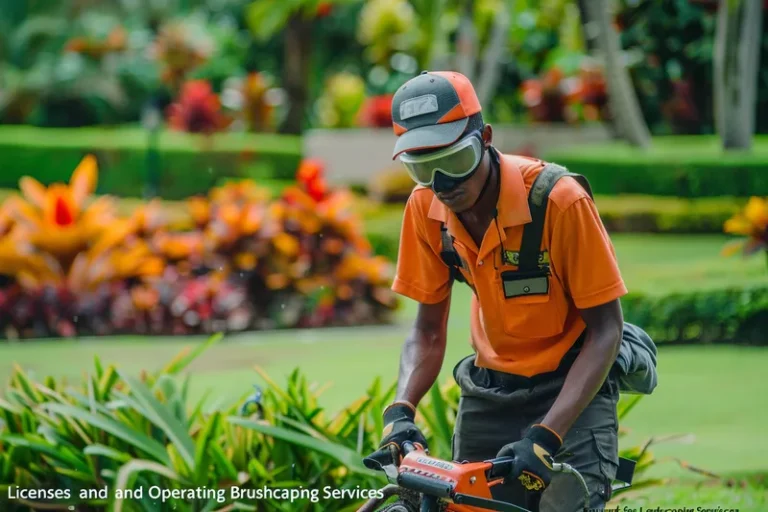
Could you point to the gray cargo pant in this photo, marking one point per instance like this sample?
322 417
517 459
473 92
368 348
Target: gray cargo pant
494 412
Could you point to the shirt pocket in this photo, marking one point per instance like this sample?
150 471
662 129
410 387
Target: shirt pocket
531 308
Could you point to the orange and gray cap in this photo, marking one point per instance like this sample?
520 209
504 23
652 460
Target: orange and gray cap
432 110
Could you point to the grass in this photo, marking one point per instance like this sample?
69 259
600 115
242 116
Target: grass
745 494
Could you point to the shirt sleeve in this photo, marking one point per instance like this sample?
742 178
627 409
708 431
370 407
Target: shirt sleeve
421 274
585 257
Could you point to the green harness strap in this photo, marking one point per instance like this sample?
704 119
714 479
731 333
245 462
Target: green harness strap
538 198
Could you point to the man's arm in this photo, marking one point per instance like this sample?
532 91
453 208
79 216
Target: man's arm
591 367
423 352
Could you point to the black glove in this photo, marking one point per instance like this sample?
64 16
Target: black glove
399 426
533 457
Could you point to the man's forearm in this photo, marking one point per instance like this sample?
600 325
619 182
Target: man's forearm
420 364
584 379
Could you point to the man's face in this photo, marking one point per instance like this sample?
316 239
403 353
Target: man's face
463 196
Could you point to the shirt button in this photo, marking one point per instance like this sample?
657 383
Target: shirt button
481 263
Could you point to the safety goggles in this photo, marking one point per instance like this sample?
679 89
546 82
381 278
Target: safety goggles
455 161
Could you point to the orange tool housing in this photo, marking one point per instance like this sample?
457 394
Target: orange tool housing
468 478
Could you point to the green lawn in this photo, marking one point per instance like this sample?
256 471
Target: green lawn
716 393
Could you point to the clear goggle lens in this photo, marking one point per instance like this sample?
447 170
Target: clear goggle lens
455 161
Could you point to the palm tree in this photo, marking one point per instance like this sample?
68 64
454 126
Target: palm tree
736 66
628 118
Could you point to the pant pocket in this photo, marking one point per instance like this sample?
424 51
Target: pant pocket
607 447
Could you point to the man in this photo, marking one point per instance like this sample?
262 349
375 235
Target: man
545 332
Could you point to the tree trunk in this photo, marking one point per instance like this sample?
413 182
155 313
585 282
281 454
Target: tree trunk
437 55
586 25
621 94
467 44
489 76
298 50
736 62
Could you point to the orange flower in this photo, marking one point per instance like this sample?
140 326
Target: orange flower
246 260
145 298
179 246
344 292
200 210
333 246
277 281
56 217
286 244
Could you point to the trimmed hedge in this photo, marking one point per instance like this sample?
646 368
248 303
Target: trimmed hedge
189 164
648 214
709 316
626 214
683 166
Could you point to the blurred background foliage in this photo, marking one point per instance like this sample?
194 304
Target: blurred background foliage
304 63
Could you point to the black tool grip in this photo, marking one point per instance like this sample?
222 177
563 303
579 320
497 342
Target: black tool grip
408 447
424 484
501 467
385 456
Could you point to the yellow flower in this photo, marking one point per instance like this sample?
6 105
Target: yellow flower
752 222
756 212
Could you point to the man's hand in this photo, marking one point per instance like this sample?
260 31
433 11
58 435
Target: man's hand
399 426
533 457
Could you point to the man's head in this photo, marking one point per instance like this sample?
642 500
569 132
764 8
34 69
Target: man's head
442 139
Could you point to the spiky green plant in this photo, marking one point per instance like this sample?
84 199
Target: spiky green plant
127 432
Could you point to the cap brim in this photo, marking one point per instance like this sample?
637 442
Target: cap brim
433 136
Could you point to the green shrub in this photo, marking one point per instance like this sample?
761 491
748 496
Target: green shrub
707 316
693 166
649 214
189 164
125 432
628 214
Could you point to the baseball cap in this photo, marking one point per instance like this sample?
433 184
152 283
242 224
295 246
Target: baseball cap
432 110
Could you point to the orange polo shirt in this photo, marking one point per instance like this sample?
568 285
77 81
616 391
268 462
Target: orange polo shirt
526 335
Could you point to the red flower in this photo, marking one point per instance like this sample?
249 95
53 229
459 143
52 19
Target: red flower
317 189
324 9
197 109
62 213
310 169
310 177
377 111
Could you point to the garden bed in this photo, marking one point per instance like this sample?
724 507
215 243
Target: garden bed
233 260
